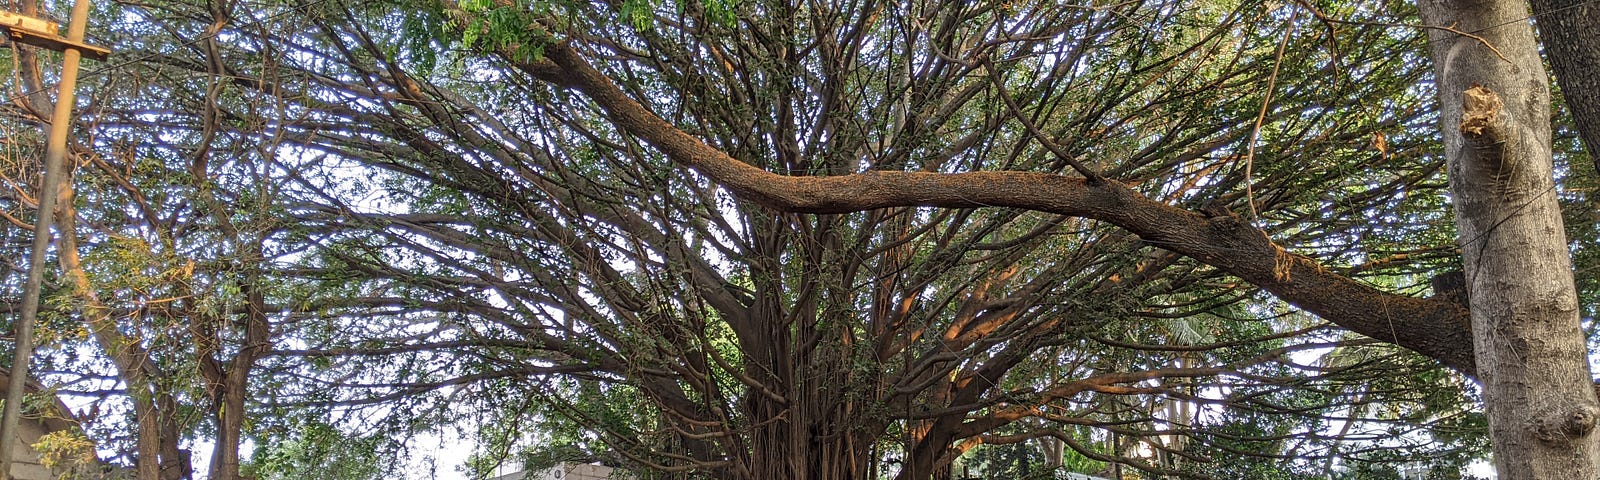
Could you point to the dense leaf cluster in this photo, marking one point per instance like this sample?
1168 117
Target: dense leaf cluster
373 214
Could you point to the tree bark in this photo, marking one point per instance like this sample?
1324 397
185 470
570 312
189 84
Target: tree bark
155 412
1524 336
229 386
1436 328
1572 43
1530 350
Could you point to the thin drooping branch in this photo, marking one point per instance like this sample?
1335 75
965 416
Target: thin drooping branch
1437 329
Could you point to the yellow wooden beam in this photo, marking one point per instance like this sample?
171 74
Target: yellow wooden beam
46 34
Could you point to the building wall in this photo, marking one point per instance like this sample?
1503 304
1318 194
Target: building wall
24 459
568 471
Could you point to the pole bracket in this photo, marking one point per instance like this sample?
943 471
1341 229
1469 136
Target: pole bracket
43 34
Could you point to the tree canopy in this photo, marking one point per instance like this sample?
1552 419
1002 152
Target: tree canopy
763 239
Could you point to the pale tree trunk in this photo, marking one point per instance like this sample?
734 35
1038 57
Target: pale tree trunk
1531 356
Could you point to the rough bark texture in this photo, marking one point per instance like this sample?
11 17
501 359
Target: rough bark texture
228 382
1570 30
1530 349
1436 328
155 411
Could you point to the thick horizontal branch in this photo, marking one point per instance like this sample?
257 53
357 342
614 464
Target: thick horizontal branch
1435 328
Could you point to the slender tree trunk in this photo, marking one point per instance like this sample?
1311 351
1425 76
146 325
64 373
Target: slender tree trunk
229 404
1570 30
1530 350
156 440
148 442
176 463
159 454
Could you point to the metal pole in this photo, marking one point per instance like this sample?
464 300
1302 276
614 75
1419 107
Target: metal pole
55 152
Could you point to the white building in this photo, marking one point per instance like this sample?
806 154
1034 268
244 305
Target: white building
568 471
25 463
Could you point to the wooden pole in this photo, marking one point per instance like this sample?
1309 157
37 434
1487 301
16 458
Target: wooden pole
55 153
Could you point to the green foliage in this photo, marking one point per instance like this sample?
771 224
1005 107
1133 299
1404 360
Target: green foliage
638 13
63 448
437 229
311 449
522 29
1030 460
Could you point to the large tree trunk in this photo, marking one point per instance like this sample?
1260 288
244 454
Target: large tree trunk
231 387
160 457
1531 356
1572 41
